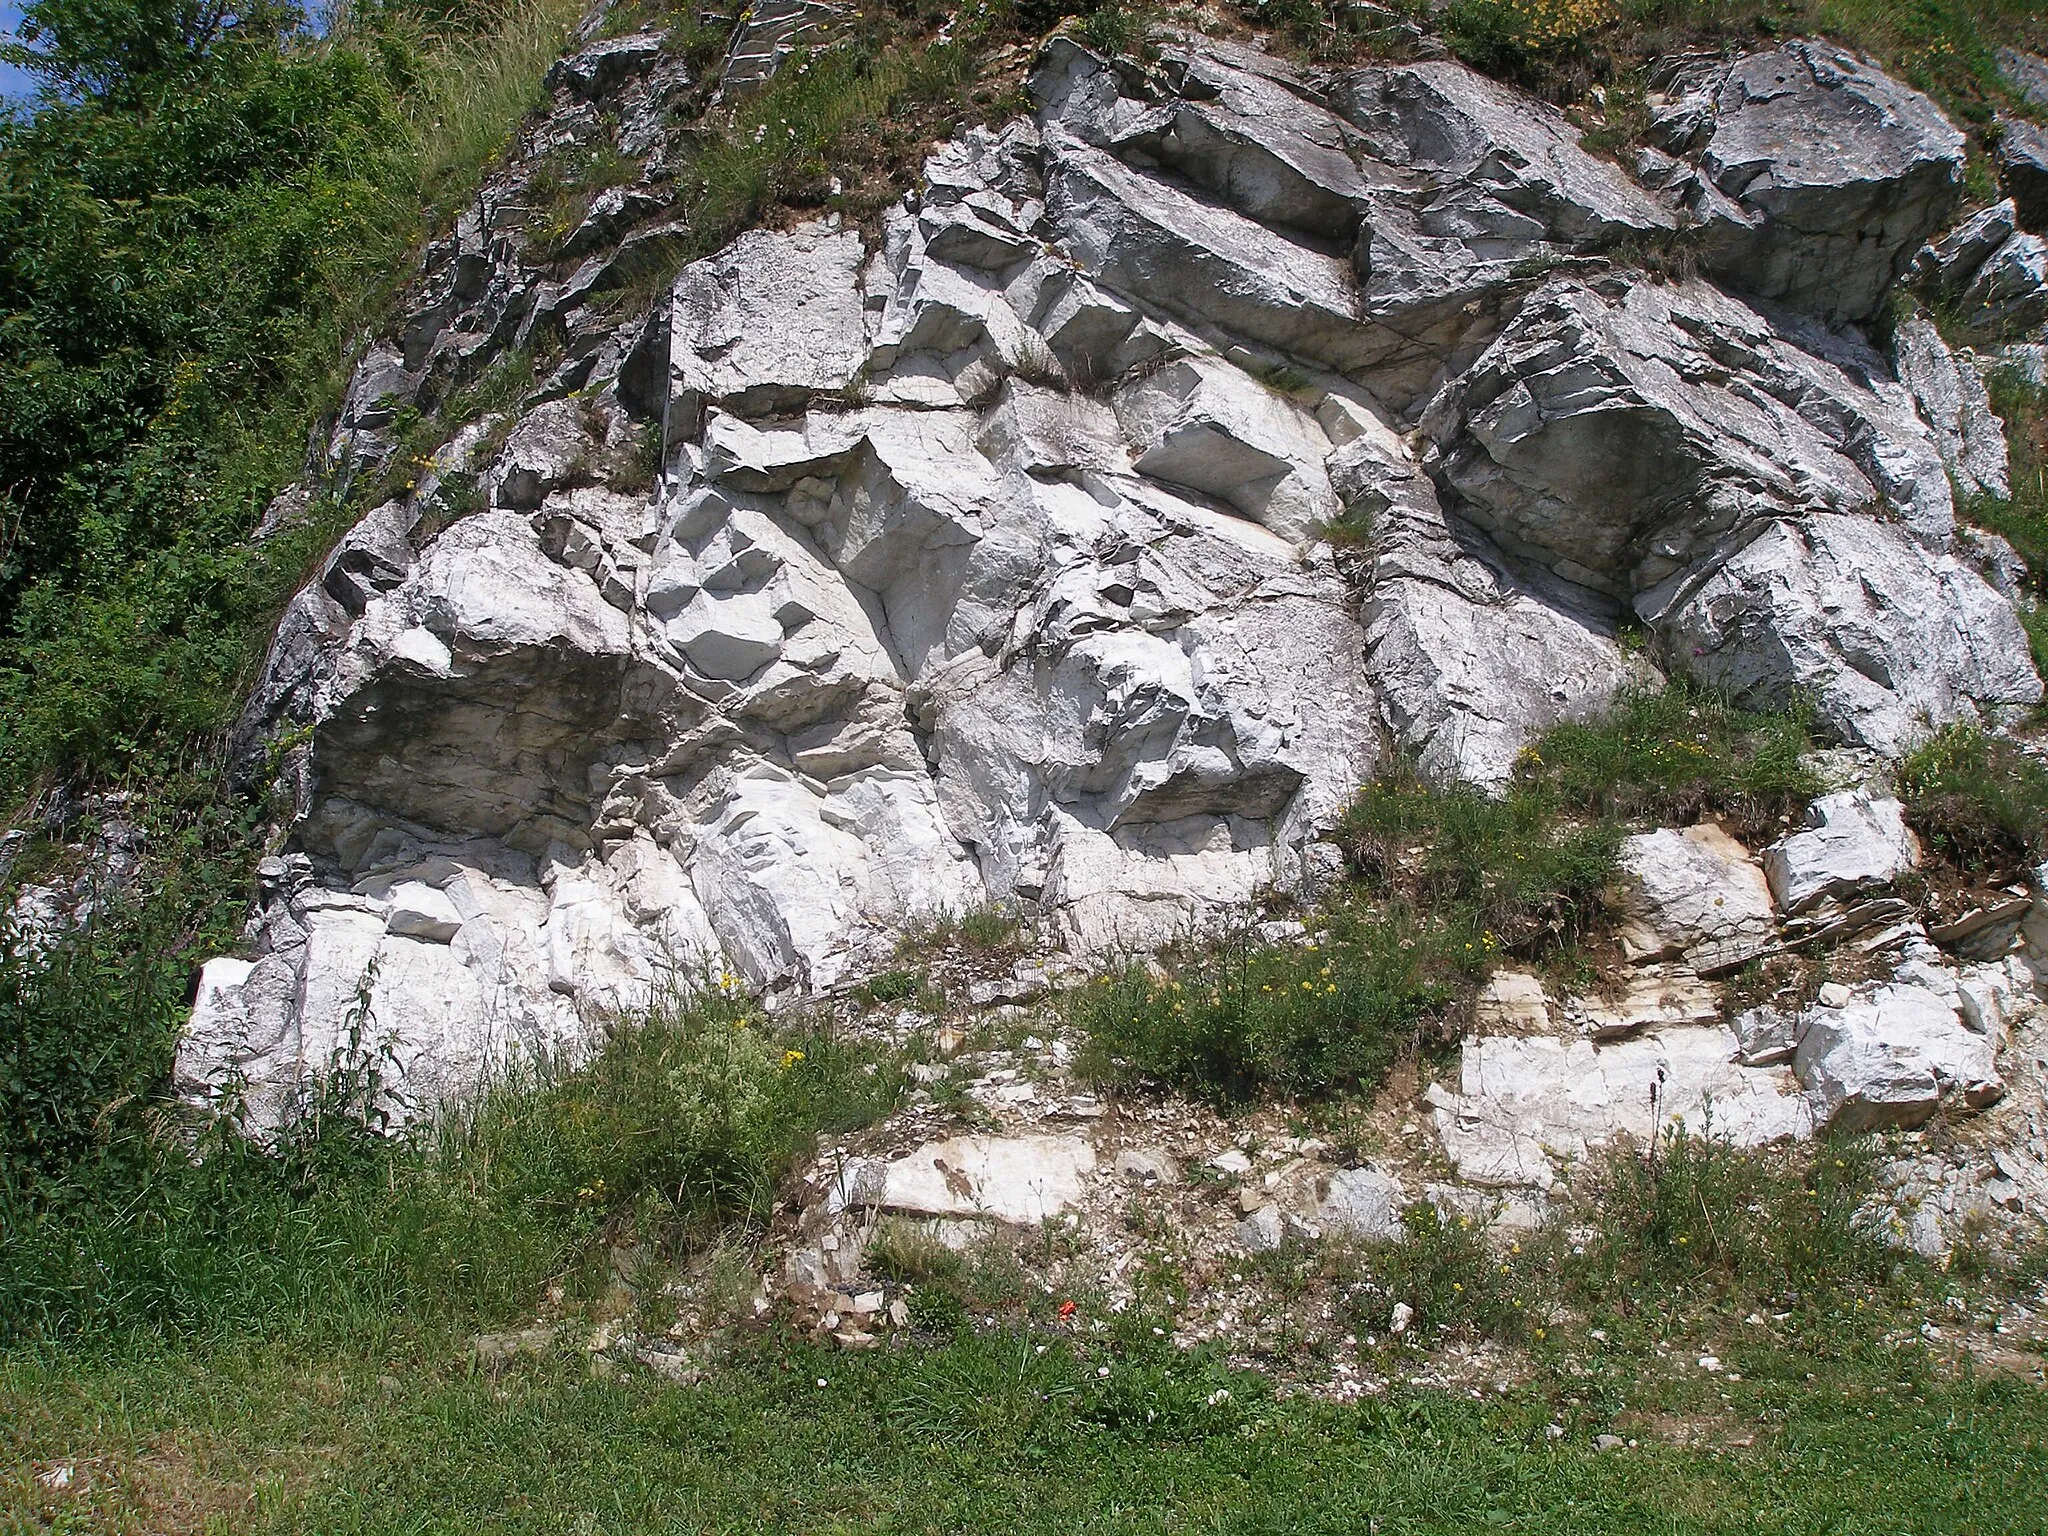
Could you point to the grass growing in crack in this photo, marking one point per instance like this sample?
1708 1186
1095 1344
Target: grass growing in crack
1526 878
989 929
1449 879
1674 754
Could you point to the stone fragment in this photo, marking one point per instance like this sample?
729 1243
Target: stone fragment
1764 1037
1362 1203
1148 1165
2026 73
1853 841
1693 895
1889 1057
1019 1180
1985 932
1829 172
549 450
418 911
1263 1231
1511 1002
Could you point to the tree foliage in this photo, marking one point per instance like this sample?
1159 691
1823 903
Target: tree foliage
203 202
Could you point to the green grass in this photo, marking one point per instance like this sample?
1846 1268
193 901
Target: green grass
680 1127
1978 800
985 1434
1239 1018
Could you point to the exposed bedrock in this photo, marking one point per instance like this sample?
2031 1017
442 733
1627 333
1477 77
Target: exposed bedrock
988 560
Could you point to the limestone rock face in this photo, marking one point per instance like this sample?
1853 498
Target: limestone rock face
1883 633
1951 399
1524 1105
1173 456
1818 175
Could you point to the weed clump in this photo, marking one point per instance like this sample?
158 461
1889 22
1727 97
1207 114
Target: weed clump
1243 1017
1980 801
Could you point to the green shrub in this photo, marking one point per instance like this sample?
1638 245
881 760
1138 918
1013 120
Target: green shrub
1452 1275
184 246
1980 801
699 1107
680 1125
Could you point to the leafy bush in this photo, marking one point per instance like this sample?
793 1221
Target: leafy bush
1980 801
1509 37
189 227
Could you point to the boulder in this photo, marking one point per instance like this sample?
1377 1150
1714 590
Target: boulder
1951 261
1952 401
1884 637
1853 841
1889 1057
1825 173
1693 895
1617 434
600 68
1362 1203
762 327
2010 290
